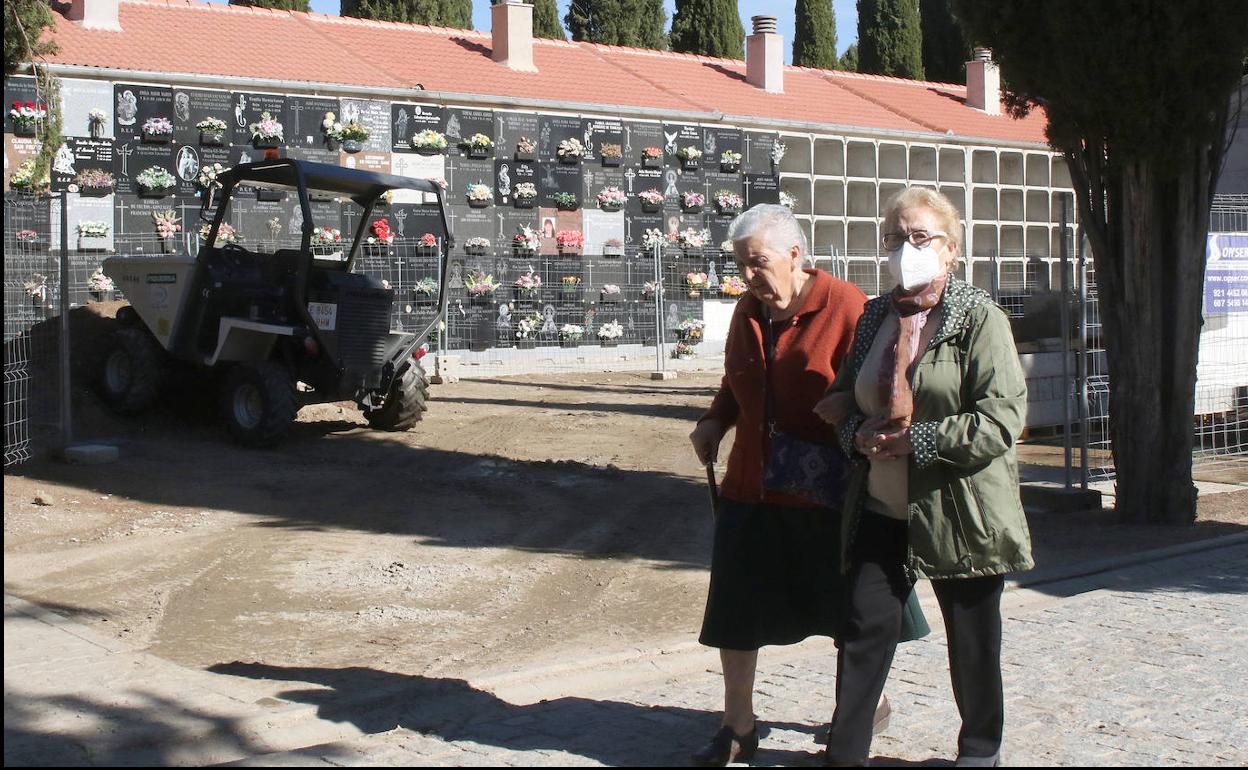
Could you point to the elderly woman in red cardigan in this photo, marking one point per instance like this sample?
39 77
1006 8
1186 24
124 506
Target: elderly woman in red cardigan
774 572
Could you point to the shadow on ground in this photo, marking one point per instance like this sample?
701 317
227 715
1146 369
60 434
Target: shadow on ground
149 730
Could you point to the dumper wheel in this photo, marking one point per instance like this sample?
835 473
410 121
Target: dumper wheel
258 403
405 404
133 370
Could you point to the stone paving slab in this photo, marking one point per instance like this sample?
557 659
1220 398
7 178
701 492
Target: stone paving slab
1149 671
104 702
1140 665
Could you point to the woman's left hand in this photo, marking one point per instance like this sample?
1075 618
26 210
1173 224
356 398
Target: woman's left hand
895 445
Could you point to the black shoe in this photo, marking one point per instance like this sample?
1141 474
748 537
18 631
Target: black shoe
727 747
965 761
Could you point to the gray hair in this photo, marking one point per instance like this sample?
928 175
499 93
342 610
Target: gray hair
775 223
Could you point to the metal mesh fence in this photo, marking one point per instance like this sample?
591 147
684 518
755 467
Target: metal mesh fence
1220 422
31 295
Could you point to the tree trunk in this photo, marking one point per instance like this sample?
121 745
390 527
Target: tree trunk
1150 277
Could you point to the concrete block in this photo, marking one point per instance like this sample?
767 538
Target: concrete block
447 369
1058 499
91 454
662 375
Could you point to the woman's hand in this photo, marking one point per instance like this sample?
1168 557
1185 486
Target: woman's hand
896 445
705 439
883 439
835 407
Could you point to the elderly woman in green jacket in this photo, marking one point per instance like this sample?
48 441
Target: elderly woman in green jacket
940 401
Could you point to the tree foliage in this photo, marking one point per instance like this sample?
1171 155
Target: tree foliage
546 20
814 36
1136 93
456 14
283 5
709 28
945 50
24 23
890 40
849 59
634 23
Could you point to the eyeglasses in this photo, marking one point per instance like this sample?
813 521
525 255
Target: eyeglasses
919 238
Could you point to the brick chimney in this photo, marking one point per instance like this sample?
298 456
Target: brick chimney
764 55
983 82
512 27
96 14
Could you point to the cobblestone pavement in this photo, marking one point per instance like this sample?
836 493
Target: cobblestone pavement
1143 666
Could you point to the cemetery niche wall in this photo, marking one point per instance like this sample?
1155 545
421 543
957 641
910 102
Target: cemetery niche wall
572 181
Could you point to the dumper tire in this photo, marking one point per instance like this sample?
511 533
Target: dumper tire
406 402
258 403
133 370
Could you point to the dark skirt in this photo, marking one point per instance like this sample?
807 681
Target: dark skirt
776 578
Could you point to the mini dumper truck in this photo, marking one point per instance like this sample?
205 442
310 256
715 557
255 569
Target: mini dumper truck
282 322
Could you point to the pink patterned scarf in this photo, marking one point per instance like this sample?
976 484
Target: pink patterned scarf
903 348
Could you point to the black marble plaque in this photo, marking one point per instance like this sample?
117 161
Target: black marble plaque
131 157
374 116
134 104
638 180
246 109
761 188
134 218
756 152
80 154
190 106
510 127
411 221
463 123
18 89
407 119
462 172
718 140
677 136
594 180
303 118
599 131
555 177
638 136
507 174
553 130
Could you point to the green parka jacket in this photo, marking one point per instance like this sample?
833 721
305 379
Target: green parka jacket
970 406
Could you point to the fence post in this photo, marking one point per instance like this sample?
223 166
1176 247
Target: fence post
1065 322
1082 363
67 428
660 334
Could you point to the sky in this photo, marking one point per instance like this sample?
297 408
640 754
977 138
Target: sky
846 17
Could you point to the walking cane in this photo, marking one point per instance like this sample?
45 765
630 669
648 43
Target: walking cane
714 489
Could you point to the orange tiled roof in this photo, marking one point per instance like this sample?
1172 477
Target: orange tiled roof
184 36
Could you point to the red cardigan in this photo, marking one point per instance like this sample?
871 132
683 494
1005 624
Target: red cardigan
808 354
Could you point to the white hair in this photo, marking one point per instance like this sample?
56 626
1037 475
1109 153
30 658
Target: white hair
779 228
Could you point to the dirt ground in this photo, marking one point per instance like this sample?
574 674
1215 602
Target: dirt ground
527 521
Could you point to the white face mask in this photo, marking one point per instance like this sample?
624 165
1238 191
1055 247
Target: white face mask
913 266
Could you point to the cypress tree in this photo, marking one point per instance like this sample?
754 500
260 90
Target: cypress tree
849 59
634 23
438 13
651 20
890 41
945 50
814 37
283 5
30 17
709 28
546 20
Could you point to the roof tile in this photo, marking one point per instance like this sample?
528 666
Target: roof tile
184 36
